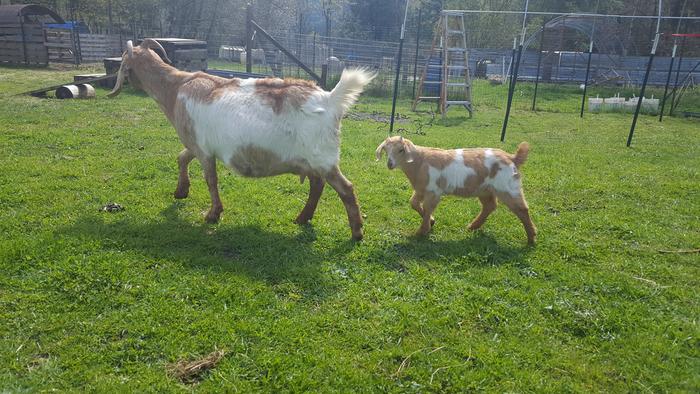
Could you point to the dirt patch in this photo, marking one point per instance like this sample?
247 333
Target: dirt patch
377 117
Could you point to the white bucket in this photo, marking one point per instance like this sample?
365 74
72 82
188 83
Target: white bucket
613 104
650 105
631 104
595 104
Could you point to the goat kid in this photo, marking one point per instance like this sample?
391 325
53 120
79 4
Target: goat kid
257 127
489 174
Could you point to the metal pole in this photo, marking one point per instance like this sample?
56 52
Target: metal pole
415 59
249 39
588 65
646 76
398 71
539 65
514 79
668 81
511 93
585 83
641 93
265 34
511 66
678 69
678 72
677 101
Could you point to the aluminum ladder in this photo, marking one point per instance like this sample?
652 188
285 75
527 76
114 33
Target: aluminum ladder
445 77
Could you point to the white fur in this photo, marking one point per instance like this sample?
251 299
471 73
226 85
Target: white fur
455 174
505 179
241 119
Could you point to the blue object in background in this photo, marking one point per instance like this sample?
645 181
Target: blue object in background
77 26
433 74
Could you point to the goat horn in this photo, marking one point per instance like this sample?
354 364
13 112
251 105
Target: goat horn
157 48
119 83
378 152
130 48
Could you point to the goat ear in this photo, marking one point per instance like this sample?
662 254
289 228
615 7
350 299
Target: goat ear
410 150
380 148
157 48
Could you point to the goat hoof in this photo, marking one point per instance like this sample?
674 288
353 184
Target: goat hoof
422 233
357 237
181 194
302 220
212 218
432 221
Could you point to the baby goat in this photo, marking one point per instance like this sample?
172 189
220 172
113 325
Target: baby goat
258 127
489 174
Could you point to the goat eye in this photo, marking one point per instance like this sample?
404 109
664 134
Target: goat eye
401 150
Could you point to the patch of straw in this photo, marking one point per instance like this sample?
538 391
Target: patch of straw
190 371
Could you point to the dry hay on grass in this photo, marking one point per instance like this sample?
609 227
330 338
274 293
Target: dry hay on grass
191 371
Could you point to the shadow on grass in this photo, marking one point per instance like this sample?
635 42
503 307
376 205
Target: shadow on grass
477 249
247 250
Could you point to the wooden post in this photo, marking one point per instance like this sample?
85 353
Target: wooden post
24 40
324 76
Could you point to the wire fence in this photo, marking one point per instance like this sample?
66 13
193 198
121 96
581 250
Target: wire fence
555 53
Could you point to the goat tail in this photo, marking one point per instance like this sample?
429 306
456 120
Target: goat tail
352 83
521 154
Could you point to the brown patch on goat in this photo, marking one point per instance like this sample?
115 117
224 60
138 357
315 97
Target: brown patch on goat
255 162
494 170
276 92
208 88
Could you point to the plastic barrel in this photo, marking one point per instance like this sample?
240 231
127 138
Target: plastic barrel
85 90
67 92
81 90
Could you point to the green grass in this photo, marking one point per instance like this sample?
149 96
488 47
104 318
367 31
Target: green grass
96 301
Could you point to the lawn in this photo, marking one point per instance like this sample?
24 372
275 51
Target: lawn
607 301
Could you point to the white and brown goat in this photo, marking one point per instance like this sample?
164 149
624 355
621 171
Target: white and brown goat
258 127
489 174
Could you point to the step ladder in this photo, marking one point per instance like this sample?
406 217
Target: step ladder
445 77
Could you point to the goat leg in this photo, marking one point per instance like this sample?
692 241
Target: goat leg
316 185
347 194
209 167
183 180
488 205
430 202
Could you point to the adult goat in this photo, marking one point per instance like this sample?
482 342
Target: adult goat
257 127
